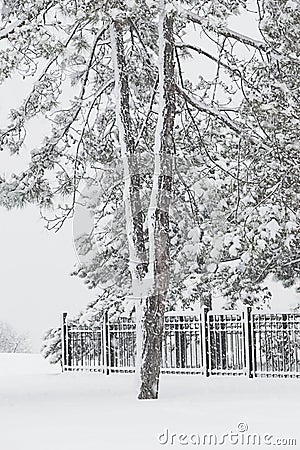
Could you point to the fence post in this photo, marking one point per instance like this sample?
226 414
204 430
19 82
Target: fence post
106 349
248 341
64 341
180 344
205 344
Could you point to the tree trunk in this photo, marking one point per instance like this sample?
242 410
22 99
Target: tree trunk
131 167
150 322
150 276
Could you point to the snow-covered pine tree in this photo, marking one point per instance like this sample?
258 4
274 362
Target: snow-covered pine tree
205 199
51 348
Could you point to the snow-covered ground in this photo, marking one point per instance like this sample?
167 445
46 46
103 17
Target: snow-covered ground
42 409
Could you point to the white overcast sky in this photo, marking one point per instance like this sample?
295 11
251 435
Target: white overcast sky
35 282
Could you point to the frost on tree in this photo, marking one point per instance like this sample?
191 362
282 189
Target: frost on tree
178 132
11 341
150 275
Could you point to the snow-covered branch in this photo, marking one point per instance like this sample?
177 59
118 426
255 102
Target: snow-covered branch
236 127
218 61
227 32
10 29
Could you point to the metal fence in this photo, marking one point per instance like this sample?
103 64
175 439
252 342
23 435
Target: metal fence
276 344
253 344
226 344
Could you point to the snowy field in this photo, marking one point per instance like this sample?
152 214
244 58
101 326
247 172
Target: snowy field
42 409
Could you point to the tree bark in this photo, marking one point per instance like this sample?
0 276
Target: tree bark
132 184
149 272
151 310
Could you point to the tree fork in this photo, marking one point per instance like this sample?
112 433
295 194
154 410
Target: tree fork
151 321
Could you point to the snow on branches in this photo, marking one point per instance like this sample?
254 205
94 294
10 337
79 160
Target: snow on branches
233 213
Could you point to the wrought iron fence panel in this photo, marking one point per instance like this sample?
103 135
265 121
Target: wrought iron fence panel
226 343
276 344
122 335
85 350
182 346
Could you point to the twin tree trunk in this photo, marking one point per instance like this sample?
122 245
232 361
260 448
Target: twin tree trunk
150 268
